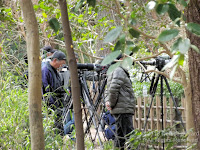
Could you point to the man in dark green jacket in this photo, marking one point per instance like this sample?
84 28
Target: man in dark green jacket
120 100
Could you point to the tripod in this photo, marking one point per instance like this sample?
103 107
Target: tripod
89 107
153 88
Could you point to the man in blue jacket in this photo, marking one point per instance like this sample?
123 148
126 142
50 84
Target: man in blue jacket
52 86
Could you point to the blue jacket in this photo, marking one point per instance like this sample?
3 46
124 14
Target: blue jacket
51 82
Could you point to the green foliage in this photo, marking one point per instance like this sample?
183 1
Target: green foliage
110 57
113 34
14 123
134 33
174 13
168 35
176 88
194 28
162 9
155 138
91 2
54 24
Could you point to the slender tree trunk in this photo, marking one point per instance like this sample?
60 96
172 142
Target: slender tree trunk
193 15
74 76
34 67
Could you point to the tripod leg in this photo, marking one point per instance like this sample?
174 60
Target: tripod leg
175 104
153 94
162 112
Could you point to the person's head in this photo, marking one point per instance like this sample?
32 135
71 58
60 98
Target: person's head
58 59
49 50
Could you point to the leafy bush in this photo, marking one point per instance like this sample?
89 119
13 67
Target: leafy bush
14 123
14 114
169 136
176 88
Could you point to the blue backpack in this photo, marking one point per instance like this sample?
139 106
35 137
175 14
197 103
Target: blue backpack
110 121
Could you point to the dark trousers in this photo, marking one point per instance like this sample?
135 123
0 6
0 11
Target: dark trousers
124 125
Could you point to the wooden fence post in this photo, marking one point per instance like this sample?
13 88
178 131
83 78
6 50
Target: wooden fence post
165 112
152 115
158 112
183 105
145 112
171 111
139 113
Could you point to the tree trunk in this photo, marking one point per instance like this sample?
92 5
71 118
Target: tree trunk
34 67
74 76
193 15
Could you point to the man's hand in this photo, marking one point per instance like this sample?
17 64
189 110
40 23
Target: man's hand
108 105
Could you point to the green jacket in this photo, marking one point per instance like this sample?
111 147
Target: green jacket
119 92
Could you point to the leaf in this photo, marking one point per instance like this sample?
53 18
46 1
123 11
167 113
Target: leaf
44 15
127 63
162 9
184 46
54 24
129 43
135 49
168 35
194 47
176 43
127 51
91 3
134 33
132 21
110 57
150 6
182 2
181 59
122 38
174 13
78 5
194 28
113 34
118 46
113 67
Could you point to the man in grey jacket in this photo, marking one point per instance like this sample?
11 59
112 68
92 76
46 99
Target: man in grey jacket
120 100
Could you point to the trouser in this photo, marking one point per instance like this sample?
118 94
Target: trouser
124 125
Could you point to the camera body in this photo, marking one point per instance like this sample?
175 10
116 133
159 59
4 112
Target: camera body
159 62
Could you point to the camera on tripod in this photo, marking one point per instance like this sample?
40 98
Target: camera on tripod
159 62
90 66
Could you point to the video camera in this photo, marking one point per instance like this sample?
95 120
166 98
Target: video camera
159 62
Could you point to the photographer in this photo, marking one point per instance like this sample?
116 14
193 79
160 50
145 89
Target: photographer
52 86
120 101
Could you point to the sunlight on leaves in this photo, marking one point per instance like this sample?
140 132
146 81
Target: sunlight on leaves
150 5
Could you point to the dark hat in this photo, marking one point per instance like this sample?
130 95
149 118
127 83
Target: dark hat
47 48
59 55
53 50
